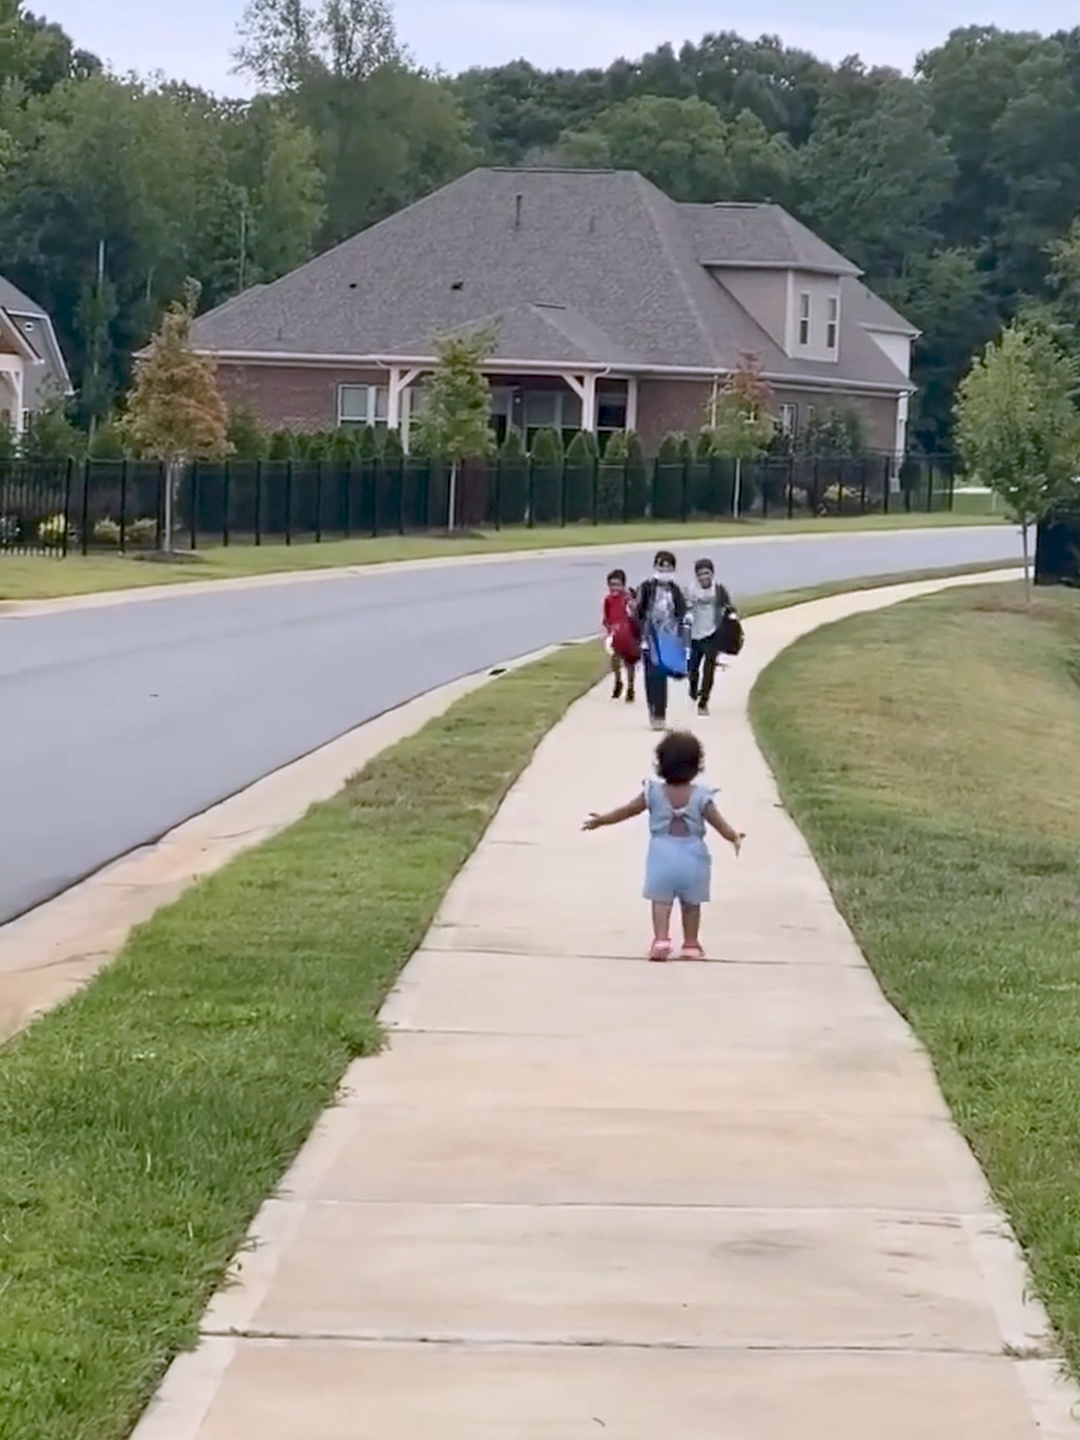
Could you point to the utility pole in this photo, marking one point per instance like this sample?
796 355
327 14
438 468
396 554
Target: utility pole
95 342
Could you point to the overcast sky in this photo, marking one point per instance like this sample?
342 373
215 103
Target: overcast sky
192 41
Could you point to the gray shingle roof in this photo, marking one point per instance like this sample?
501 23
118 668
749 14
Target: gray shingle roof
577 266
759 236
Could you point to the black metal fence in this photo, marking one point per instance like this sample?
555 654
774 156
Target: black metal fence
105 505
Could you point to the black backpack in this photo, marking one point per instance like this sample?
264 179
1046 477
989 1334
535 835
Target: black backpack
730 636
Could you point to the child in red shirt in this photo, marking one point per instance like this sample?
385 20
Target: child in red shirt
621 635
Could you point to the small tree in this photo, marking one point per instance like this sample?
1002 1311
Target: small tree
838 434
456 420
740 419
247 438
513 472
176 413
1017 428
50 434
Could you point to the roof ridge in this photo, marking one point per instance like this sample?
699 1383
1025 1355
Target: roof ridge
648 191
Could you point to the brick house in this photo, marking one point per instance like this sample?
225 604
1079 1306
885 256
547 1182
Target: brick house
615 308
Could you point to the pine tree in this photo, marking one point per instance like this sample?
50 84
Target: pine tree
175 412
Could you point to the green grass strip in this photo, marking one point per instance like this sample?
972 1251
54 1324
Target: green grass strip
142 1123
930 755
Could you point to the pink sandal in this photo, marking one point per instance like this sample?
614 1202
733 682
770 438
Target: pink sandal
692 951
660 951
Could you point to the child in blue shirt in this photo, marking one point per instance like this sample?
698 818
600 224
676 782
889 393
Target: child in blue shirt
678 866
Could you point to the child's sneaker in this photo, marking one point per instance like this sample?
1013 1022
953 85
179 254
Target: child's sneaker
660 951
691 950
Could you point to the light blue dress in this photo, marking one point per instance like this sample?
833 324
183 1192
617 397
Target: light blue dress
678 867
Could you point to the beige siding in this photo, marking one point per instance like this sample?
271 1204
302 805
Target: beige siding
763 295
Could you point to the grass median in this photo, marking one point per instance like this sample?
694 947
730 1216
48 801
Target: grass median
38 577
142 1123
930 755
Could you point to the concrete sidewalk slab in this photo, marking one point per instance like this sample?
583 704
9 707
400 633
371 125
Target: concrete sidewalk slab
581 1194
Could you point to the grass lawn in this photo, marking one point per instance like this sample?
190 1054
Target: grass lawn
930 754
38 577
142 1123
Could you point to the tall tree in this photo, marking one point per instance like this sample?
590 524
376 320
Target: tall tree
686 147
1017 426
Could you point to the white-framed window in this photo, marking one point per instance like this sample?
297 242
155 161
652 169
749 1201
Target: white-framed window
804 317
832 323
789 419
551 409
360 405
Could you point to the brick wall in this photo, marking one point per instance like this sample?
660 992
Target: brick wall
296 397
666 405
682 405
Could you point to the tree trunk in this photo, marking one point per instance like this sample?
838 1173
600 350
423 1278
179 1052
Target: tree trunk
452 506
1024 528
172 472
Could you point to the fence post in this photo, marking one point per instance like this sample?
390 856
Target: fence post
348 499
375 464
498 491
595 484
952 485
886 481
562 494
401 493
791 487
193 526
67 504
258 502
929 486
318 502
625 488
288 501
653 481
531 500
226 498
123 506
86 507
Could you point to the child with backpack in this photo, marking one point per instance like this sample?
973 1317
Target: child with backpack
621 635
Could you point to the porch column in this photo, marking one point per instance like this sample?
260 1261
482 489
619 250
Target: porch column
631 402
588 405
902 407
400 380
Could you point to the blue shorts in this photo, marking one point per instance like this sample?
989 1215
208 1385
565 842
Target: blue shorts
677 868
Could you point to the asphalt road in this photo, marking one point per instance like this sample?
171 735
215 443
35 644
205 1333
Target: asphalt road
118 723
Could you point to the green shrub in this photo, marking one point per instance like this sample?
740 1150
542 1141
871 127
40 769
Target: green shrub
106 532
547 475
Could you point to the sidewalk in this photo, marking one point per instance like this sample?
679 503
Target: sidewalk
580 1195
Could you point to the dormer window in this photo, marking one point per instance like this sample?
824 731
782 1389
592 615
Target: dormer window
804 317
832 323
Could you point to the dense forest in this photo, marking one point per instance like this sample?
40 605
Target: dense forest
956 188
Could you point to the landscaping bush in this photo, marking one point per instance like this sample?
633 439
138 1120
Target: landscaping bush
580 480
547 478
512 475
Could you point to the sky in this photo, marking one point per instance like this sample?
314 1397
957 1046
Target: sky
192 41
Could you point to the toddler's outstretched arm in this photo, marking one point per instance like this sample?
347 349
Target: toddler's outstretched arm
616 817
721 826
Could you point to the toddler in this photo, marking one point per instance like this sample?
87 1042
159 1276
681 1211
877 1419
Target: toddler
679 865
